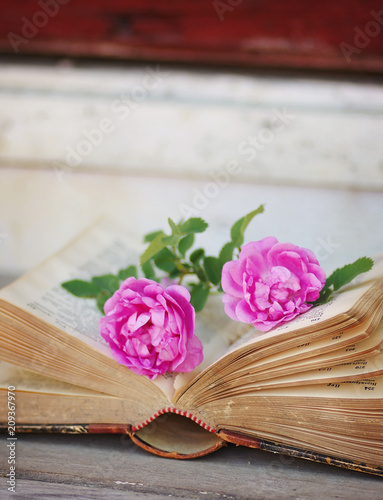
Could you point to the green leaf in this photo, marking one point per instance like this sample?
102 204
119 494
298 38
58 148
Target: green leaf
197 255
324 296
198 296
226 252
171 240
164 260
102 297
342 276
238 229
107 282
193 225
175 273
81 288
150 236
347 273
185 243
213 269
173 226
154 247
200 273
148 270
129 271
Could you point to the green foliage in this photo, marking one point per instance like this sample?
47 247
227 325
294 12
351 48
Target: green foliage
342 276
198 296
81 288
185 244
175 237
226 252
150 236
148 270
130 271
347 273
237 232
200 273
154 247
193 225
167 253
213 269
107 282
197 255
171 240
173 226
102 297
165 260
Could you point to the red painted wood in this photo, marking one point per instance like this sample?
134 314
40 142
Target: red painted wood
276 33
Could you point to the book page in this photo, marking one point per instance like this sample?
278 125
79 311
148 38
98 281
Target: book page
355 342
370 345
368 388
216 332
368 367
105 248
25 380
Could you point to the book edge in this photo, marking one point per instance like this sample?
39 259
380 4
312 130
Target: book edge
226 437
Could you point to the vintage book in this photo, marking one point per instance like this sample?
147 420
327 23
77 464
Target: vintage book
312 388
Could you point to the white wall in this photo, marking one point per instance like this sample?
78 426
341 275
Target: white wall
170 141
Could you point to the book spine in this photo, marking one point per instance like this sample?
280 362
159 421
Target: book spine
178 412
318 457
281 449
70 428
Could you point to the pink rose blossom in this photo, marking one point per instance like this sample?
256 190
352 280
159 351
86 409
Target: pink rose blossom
271 283
150 328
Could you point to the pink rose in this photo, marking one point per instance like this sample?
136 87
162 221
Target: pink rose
150 328
271 283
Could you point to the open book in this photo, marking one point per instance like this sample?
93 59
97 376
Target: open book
311 388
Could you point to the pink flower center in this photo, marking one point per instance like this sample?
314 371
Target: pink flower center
276 290
148 336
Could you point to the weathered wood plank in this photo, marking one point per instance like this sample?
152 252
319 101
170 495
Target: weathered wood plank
193 124
37 489
277 33
90 465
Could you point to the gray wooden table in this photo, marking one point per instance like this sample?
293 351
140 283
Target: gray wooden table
99 466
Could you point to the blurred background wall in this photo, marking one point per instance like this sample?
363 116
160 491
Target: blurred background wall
141 111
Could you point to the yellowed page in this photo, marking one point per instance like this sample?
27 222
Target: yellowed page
354 369
104 248
350 349
311 351
368 388
25 380
216 332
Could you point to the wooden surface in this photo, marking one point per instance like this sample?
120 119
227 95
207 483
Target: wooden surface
276 33
97 467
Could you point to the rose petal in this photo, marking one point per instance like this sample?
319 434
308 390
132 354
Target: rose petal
271 283
150 328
